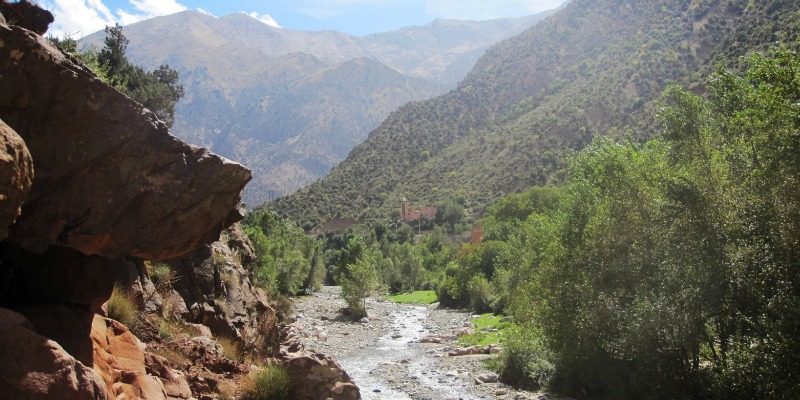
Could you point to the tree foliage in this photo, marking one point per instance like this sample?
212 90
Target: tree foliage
287 260
669 269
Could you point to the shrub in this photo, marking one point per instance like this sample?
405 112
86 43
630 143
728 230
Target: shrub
480 294
160 273
121 306
270 383
525 361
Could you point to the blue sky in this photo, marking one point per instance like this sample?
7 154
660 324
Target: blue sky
79 18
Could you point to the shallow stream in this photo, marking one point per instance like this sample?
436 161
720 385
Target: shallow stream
400 347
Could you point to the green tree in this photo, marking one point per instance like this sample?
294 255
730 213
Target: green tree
112 56
157 90
358 277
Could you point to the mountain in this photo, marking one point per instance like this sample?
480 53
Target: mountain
292 104
593 68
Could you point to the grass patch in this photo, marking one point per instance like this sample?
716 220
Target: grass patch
121 307
483 335
418 297
230 348
270 383
175 357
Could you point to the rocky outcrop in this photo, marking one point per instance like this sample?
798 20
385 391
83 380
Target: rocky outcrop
16 176
215 285
110 180
35 367
112 188
120 360
26 14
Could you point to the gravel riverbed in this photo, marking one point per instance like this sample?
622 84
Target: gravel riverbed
384 356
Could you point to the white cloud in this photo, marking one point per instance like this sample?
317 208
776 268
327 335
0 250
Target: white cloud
483 10
149 9
265 18
206 12
79 18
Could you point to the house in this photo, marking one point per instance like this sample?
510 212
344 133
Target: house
413 215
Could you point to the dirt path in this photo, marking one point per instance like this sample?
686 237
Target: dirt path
384 356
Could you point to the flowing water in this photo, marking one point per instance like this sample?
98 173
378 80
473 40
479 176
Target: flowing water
400 346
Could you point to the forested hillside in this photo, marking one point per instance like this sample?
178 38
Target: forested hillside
594 68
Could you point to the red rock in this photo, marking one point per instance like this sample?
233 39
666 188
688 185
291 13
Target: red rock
35 367
175 383
119 360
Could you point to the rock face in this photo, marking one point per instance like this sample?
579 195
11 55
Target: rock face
112 188
16 176
216 287
110 180
119 358
35 367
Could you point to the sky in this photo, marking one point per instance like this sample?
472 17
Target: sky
78 18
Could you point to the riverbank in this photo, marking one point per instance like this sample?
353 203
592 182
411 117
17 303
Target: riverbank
384 356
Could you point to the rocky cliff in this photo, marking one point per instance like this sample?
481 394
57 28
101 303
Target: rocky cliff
89 181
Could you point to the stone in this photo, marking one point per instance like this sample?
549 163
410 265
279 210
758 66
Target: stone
364 320
16 176
175 384
464 332
466 351
487 378
41 368
26 14
110 179
317 376
119 359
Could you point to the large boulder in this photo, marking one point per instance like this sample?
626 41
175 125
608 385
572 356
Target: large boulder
110 179
35 367
16 176
317 376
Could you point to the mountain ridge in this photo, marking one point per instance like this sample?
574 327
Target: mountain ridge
593 68
250 87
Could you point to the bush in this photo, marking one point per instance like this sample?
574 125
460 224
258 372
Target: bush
270 383
121 307
525 360
480 294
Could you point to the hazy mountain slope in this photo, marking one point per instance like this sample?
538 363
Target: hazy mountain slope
596 67
291 104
